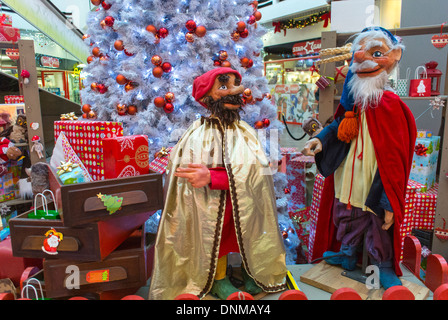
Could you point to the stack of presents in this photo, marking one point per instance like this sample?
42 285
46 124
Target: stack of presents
86 232
421 195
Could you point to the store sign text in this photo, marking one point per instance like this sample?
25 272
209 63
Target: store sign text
306 47
49 62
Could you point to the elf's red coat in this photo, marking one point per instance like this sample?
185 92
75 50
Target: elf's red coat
393 132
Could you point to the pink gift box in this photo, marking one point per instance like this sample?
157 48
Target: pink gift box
159 164
296 170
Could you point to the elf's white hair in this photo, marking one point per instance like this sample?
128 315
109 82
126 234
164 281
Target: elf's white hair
372 35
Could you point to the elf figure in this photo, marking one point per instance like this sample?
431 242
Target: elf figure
366 156
219 199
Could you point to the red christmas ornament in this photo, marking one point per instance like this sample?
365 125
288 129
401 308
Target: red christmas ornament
157 72
200 31
190 25
96 2
166 67
91 115
105 5
89 59
102 89
250 64
96 52
86 108
287 190
257 15
240 26
226 64
223 55
247 92
235 36
244 62
129 86
266 122
168 108
152 29
244 33
129 54
156 60
258 125
189 36
132 110
169 97
118 45
217 63
121 79
159 102
252 19
109 21
162 33
94 86
121 109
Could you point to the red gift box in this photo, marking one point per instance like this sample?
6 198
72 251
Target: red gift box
407 225
14 99
86 138
425 208
126 156
9 34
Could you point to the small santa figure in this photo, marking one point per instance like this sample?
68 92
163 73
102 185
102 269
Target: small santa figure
51 242
37 146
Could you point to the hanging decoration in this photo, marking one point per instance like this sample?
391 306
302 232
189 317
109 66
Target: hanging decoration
302 23
440 40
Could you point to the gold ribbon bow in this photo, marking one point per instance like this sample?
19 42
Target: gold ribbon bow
69 116
66 167
162 153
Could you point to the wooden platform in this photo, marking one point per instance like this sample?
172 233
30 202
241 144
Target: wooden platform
329 278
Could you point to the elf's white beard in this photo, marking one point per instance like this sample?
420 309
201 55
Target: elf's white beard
367 91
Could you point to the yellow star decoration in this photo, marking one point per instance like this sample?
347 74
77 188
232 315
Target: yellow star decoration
99 195
66 167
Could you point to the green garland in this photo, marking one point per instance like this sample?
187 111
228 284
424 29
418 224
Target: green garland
302 23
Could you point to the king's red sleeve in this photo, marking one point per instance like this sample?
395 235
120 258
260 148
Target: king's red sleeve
219 179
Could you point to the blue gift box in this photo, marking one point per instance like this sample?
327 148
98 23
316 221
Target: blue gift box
424 166
72 177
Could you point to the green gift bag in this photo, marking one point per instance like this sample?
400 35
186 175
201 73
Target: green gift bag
45 213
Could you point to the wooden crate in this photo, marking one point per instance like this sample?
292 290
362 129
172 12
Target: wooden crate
90 242
79 204
129 266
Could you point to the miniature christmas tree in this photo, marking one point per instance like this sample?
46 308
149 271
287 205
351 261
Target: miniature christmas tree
146 54
112 203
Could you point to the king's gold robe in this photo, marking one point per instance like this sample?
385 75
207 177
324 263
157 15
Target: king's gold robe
189 233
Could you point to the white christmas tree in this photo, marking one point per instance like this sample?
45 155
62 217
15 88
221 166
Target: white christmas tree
146 54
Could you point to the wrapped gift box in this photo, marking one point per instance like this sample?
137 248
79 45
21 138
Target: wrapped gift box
300 173
9 34
160 162
5 20
301 221
425 208
287 155
86 138
408 218
125 156
14 99
424 162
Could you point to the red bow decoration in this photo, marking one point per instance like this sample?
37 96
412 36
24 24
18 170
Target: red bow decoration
420 150
278 27
327 18
314 69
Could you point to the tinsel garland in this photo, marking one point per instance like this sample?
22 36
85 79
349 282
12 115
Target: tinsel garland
302 23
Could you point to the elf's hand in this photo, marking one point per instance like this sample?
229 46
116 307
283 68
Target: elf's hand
196 174
388 220
312 147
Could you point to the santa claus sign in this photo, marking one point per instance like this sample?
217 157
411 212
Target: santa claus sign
51 242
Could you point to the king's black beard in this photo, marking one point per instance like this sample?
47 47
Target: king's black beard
225 115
